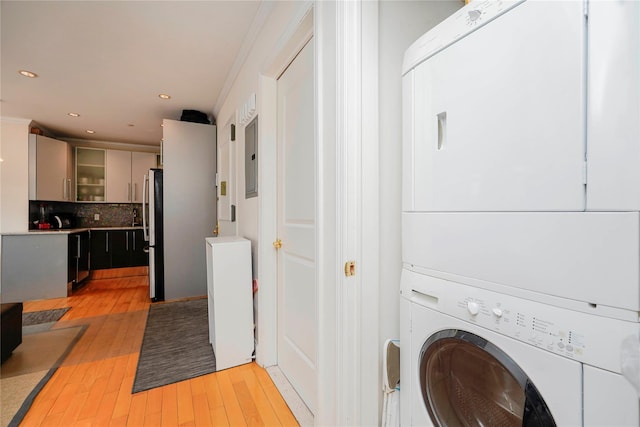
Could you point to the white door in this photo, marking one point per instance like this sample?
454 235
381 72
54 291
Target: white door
297 316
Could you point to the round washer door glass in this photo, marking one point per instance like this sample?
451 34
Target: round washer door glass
468 381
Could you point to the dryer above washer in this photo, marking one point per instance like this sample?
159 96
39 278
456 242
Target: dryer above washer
494 119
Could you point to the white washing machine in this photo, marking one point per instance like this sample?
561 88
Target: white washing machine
473 357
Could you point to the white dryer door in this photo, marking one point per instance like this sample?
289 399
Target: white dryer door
497 119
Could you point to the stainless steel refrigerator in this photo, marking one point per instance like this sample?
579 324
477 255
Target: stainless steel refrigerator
152 218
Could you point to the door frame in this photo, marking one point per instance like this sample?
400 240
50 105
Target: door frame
293 40
347 160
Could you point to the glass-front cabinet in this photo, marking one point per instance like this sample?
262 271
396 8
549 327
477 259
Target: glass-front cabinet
90 174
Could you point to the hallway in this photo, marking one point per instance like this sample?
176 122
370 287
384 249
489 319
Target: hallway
93 385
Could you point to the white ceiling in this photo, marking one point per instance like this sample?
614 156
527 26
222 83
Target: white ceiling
109 60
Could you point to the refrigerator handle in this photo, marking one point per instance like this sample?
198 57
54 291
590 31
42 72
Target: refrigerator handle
145 187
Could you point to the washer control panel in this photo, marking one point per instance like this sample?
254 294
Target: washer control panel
588 338
538 326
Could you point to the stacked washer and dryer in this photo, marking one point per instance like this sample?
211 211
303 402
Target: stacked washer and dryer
520 291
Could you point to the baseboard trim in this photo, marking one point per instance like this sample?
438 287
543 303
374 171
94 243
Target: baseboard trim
298 408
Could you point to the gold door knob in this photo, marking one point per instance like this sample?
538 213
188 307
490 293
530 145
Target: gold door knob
277 244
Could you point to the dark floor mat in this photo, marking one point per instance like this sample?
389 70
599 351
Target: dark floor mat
45 316
175 346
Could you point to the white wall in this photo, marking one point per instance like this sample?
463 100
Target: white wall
14 174
401 23
247 82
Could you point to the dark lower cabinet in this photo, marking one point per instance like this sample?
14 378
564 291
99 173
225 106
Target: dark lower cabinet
118 248
78 257
139 257
100 254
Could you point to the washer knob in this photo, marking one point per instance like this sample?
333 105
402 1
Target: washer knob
498 312
474 14
473 308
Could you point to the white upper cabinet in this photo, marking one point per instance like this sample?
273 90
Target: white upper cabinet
125 172
496 119
49 169
140 165
118 176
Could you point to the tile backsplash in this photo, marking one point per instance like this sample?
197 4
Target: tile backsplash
111 214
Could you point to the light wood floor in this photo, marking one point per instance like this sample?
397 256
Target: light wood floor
93 385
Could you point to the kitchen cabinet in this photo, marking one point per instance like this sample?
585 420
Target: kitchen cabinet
90 174
125 175
49 169
140 165
118 248
189 205
78 257
100 254
128 249
139 255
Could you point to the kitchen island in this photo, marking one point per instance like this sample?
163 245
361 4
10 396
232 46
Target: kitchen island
34 265
39 264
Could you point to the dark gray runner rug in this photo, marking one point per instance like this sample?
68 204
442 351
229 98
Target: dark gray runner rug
44 316
175 346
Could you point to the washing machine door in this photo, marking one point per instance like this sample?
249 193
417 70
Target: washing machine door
468 381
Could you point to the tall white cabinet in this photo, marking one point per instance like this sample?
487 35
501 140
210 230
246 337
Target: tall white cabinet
229 290
189 205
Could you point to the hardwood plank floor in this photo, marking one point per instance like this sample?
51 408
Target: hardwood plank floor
93 385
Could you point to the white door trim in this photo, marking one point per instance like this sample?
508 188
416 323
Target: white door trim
292 41
357 133
370 364
349 371
345 36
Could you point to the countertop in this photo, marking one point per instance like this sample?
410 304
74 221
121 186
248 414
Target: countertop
67 230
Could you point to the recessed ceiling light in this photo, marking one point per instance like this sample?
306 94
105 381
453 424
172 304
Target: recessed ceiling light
28 73
91 131
73 114
164 96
